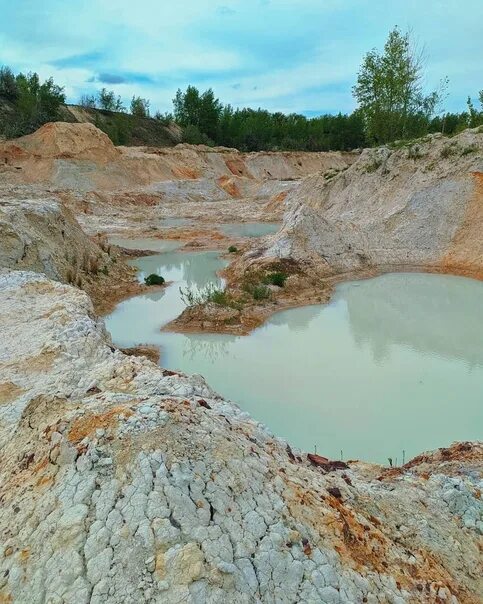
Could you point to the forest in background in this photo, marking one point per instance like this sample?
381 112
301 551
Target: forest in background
391 105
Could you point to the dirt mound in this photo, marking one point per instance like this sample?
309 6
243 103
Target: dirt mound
61 140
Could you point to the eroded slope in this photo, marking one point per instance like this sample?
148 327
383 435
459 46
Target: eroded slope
417 206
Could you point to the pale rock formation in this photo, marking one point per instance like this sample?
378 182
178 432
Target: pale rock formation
43 235
418 206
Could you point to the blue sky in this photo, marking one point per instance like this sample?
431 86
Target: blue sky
283 55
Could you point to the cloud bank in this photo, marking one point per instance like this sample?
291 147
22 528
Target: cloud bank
284 55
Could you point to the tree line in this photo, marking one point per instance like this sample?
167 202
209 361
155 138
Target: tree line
34 102
391 105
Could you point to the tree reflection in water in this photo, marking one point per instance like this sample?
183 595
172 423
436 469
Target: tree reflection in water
210 347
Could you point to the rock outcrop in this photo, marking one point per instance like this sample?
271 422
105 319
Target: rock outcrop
42 235
121 482
418 206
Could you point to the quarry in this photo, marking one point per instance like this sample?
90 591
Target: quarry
157 445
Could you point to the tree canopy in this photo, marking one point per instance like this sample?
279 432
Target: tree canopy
392 105
389 91
35 102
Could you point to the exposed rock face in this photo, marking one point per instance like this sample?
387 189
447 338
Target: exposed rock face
42 235
124 483
419 206
82 158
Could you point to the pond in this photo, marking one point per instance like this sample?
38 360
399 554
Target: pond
391 364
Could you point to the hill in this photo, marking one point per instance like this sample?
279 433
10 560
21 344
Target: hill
122 128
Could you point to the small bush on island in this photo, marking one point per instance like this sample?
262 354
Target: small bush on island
211 293
261 292
278 278
233 249
154 279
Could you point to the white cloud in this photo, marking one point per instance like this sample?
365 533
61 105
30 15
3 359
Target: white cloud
290 55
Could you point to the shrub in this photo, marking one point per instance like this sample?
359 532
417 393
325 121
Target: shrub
193 136
154 279
166 119
233 249
448 150
277 279
88 101
373 165
414 152
211 293
261 292
469 149
139 107
8 84
107 100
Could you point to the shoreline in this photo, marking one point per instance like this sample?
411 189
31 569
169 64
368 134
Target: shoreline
322 296
262 313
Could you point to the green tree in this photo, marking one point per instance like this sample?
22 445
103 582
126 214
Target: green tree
139 107
36 103
108 101
389 91
165 118
187 106
8 84
475 117
89 101
200 110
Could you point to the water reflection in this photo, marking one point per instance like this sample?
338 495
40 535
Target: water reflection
391 363
194 269
431 314
296 321
139 319
209 347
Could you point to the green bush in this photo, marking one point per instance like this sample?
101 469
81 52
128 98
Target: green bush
277 279
415 152
469 149
211 293
193 136
448 150
154 279
233 249
261 292
373 165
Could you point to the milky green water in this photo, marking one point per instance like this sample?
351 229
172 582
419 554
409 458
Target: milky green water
392 363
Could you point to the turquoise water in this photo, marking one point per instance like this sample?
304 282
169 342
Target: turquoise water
392 364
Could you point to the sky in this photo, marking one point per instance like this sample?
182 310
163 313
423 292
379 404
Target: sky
283 55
